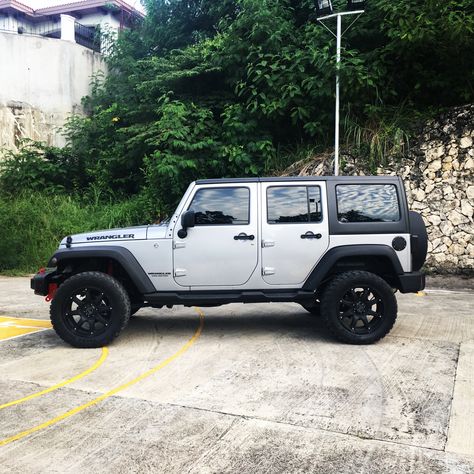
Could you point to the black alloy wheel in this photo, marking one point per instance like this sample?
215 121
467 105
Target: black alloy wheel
359 307
90 309
361 310
88 312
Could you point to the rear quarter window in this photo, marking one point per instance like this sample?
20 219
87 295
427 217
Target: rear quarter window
367 203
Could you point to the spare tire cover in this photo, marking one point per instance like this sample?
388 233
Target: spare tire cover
419 241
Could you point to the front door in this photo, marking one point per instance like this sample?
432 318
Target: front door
295 232
222 248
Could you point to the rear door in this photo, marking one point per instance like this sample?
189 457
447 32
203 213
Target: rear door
295 232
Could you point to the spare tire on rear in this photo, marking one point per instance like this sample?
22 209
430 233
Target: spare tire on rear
419 241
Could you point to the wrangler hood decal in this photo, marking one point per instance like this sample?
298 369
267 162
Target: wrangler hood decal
99 236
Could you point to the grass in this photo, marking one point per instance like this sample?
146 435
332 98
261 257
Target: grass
287 156
381 135
32 226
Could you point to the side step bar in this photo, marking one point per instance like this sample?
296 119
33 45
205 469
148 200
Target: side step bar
217 298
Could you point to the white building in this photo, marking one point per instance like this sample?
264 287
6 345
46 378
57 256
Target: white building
80 21
47 58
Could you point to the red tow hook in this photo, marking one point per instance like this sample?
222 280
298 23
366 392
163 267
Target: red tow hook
52 287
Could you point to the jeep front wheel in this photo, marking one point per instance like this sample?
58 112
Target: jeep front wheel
90 309
359 307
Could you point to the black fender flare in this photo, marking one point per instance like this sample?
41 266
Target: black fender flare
330 258
120 254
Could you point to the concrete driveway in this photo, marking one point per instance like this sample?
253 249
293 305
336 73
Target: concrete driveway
241 388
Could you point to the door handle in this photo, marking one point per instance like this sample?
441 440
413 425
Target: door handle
244 236
310 235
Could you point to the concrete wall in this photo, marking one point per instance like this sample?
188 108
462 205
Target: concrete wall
42 82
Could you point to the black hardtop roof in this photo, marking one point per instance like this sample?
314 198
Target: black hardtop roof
342 179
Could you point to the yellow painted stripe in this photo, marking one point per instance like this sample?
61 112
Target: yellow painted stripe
37 323
14 327
91 369
11 332
112 392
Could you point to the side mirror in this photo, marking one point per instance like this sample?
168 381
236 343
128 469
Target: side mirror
188 219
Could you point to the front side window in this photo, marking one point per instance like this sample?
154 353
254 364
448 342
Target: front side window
293 204
221 206
367 203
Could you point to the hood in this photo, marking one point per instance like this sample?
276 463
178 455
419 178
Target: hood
115 235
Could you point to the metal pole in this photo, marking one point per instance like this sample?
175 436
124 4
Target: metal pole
338 36
336 132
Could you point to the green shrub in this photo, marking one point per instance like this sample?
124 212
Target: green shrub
39 167
31 227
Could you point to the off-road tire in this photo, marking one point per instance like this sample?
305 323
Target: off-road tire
334 307
314 308
115 300
419 240
134 308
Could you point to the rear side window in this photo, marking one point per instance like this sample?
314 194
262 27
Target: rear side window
293 204
221 206
367 203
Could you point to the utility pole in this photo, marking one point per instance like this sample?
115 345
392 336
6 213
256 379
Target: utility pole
338 35
336 125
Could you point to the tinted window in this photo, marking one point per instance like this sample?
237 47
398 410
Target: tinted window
221 206
293 204
367 203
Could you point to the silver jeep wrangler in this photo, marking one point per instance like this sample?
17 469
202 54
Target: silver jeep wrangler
339 246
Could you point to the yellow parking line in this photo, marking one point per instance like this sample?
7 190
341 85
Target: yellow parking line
112 392
15 327
91 369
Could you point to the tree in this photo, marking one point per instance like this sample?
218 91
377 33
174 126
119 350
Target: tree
207 88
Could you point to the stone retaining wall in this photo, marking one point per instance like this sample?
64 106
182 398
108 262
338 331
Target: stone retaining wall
439 178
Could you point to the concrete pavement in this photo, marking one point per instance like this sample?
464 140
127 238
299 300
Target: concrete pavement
263 388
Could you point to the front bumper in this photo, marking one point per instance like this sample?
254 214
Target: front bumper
41 281
411 282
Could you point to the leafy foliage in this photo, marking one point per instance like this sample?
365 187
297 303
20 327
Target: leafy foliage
383 134
38 167
31 225
206 88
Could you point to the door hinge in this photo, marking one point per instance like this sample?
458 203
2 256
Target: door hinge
179 245
180 272
268 243
268 271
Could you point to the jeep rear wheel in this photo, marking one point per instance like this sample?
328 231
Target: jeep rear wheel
359 307
313 308
90 309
